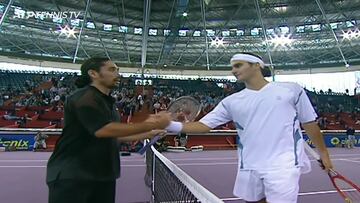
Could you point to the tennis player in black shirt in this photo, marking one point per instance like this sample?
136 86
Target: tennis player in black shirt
85 163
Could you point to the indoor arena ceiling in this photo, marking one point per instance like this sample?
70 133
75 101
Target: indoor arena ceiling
184 34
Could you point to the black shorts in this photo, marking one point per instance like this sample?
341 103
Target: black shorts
81 191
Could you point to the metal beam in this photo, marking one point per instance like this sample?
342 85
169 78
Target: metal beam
258 11
167 26
206 37
81 29
224 25
332 31
100 38
37 46
125 45
147 8
57 39
18 46
5 12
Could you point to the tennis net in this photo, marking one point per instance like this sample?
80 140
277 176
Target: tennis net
169 183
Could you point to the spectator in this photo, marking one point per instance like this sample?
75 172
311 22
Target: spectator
40 141
350 132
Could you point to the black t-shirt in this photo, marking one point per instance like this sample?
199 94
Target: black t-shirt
79 154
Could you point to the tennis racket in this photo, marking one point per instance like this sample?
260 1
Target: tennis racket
183 109
348 190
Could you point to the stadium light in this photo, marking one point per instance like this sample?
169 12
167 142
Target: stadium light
346 35
217 42
69 32
282 40
355 34
63 30
351 34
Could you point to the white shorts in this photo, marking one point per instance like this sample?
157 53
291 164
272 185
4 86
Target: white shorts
281 186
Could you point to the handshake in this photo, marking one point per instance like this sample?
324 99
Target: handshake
163 123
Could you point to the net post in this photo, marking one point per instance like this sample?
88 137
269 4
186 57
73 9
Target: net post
152 175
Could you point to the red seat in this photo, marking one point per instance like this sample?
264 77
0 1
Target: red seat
12 126
38 124
52 115
38 108
5 123
334 127
7 108
23 112
2 112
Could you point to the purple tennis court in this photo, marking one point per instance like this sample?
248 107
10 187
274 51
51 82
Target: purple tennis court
22 176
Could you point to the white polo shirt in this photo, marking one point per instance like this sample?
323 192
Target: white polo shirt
268 125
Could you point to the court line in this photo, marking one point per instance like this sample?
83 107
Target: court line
179 164
353 161
22 166
137 165
45 166
129 160
45 160
300 194
176 159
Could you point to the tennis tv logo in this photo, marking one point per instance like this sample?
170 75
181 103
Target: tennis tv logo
47 14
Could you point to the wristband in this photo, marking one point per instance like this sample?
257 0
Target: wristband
174 127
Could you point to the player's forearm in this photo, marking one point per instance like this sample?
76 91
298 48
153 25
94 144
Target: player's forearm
124 130
140 136
314 133
195 127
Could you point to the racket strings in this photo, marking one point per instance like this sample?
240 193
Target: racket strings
184 108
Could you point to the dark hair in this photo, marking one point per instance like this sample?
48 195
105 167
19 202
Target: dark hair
93 63
266 71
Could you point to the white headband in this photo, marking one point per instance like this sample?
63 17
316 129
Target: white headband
248 58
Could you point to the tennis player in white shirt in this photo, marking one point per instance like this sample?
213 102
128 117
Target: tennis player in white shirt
267 116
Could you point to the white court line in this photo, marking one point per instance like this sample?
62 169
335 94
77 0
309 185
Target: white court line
176 159
300 194
349 160
344 155
24 160
178 164
45 160
137 165
45 166
22 166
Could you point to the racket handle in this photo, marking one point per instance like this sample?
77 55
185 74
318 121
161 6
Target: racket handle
321 164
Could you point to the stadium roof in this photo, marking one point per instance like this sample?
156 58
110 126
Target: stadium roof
184 34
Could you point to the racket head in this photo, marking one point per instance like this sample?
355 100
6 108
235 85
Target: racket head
184 109
348 190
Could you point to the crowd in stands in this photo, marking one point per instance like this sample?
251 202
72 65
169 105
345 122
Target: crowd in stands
36 99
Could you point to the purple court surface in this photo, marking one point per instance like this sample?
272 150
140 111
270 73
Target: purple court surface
22 176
